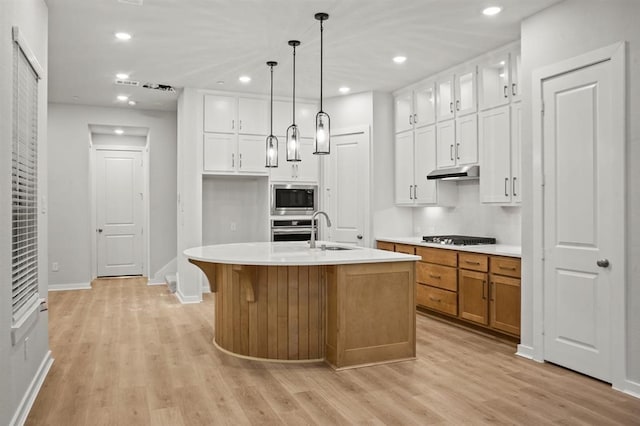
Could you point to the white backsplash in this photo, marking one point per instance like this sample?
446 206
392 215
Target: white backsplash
470 217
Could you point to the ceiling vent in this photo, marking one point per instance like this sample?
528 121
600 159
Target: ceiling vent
160 87
131 83
131 2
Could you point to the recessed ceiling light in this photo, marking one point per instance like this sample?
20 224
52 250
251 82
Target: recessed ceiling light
132 103
122 76
344 90
399 59
244 79
493 10
123 98
118 131
123 36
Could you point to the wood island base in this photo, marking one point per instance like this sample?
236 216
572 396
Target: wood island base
347 315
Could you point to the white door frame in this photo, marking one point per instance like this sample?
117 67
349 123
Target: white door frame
368 241
146 252
616 54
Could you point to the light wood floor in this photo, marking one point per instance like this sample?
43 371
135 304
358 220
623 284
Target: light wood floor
129 354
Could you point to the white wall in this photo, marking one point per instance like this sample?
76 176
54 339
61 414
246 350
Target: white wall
560 32
69 178
375 110
470 217
21 364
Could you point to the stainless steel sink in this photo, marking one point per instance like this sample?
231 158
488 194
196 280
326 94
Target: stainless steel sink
335 248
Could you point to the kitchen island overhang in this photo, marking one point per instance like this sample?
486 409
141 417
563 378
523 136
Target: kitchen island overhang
287 302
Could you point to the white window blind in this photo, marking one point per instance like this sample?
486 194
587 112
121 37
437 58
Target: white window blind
24 179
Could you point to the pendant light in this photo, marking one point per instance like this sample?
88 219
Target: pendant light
293 134
323 123
272 141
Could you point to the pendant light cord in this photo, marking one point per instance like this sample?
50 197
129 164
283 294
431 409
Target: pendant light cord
294 85
271 115
321 55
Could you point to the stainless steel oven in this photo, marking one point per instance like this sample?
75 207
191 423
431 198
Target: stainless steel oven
291 230
289 199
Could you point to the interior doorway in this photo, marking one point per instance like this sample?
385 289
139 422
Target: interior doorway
119 184
579 124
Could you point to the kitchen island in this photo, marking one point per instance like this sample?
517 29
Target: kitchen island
348 306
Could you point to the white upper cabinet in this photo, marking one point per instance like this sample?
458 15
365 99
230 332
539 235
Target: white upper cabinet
283 118
415 108
306 119
446 144
404 111
225 153
499 79
456 93
516 146
305 170
404 168
457 142
253 116
220 114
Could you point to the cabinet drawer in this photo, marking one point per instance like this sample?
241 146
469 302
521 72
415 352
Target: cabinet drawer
405 248
508 266
439 300
444 277
439 256
474 262
384 245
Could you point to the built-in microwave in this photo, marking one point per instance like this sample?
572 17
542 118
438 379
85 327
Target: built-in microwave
290 199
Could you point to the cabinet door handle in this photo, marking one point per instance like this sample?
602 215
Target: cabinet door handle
415 192
415 118
506 95
240 161
471 262
513 187
451 107
410 193
458 105
239 124
484 290
506 184
435 277
410 120
233 124
233 160
513 89
433 299
451 151
507 268
492 291
458 151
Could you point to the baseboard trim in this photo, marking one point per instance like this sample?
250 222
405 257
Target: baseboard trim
631 388
20 417
185 300
73 286
525 352
154 281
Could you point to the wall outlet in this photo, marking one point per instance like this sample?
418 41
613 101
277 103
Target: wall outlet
233 226
55 267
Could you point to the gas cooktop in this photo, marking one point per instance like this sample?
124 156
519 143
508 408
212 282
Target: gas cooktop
458 240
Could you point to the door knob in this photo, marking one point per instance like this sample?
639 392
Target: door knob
359 236
99 229
603 263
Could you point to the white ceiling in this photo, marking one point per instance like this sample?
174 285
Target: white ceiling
197 43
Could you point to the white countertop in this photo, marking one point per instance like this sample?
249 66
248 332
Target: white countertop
494 249
292 254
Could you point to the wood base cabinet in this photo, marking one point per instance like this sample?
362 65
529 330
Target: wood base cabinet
473 296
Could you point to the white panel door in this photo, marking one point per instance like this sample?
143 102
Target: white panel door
424 162
219 152
119 212
347 189
219 114
465 90
581 196
444 98
404 168
424 105
251 154
253 116
403 111
495 158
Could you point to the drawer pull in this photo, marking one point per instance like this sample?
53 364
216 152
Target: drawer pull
471 262
437 277
507 268
433 299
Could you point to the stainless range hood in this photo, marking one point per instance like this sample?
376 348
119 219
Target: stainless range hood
456 173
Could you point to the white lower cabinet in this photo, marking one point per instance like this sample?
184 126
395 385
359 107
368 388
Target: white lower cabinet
234 153
500 155
305 170
415 157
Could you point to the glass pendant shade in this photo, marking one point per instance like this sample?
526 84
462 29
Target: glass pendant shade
272 151
271 159
293 135
323 133
293 143
322 142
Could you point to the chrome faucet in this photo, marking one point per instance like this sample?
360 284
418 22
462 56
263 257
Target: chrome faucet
312 242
